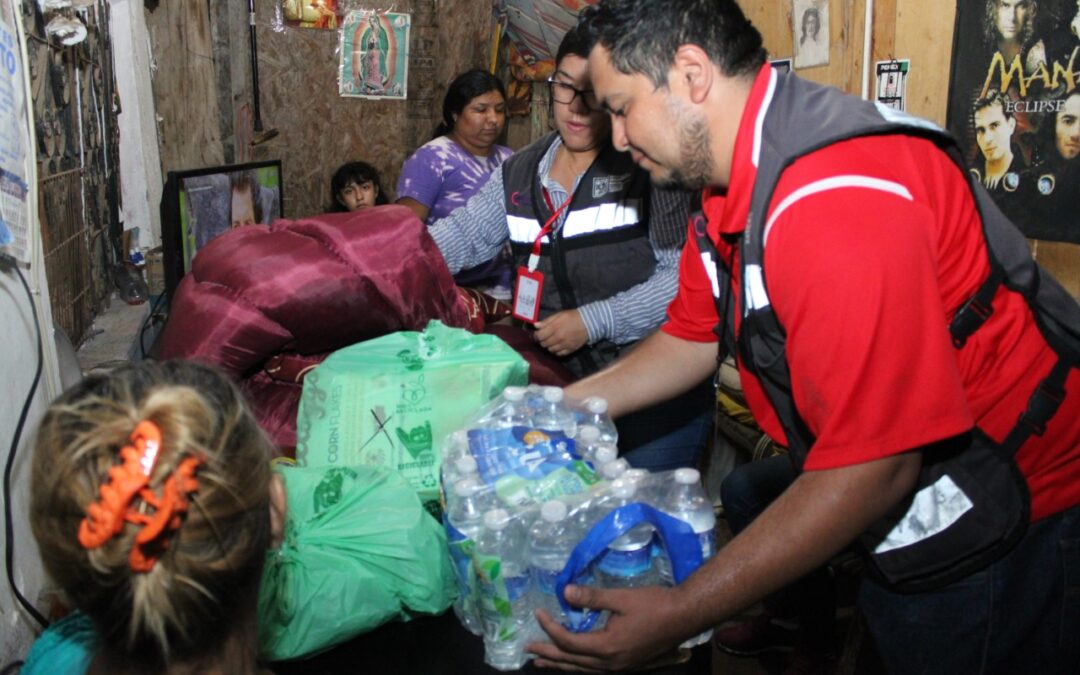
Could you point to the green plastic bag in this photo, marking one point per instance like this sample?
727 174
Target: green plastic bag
359 551
390 401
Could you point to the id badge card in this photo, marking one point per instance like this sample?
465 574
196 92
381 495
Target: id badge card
527 295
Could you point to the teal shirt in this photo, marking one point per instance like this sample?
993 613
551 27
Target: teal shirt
66 646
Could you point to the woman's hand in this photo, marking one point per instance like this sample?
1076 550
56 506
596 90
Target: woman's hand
562 333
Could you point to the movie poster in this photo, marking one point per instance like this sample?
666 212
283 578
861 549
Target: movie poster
374 55
1014 103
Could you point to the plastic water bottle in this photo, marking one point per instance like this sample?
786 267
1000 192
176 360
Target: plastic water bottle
628 562
640 478
588 440
464 521
614 469
596 415
534 398
604 453
551 541
501 560
553 415
590 510
455 472
456 449
466 467
512 412
685 499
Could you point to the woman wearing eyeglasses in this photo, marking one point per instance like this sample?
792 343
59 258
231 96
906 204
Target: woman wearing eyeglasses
593 243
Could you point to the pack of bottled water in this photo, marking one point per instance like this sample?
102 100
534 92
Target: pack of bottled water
536 497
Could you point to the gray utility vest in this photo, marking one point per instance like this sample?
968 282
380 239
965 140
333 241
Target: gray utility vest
803 117
601 249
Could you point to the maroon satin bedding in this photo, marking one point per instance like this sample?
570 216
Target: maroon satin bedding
265 303
306 288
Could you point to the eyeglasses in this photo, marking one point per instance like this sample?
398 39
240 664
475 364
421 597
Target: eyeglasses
564 93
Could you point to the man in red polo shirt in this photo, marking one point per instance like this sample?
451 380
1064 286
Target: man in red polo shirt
871 246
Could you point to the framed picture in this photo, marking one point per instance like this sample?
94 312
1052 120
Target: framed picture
374 55
1014 104
810 25
200 204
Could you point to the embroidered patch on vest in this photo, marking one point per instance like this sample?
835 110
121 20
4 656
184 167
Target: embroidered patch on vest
602 185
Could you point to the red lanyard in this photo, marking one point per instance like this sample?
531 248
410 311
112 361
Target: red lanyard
534 257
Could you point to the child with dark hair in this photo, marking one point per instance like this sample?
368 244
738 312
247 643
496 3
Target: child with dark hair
355 186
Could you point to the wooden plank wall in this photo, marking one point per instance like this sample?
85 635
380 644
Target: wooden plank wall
185 86
774 20
919 30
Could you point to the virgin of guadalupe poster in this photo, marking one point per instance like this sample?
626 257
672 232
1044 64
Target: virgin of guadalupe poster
1014 105
374 55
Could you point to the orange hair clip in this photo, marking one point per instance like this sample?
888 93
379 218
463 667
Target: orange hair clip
105 518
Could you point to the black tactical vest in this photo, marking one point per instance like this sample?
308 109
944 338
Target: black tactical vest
602 247
803 117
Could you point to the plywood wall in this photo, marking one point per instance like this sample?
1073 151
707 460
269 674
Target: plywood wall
919 30
203 90
320 130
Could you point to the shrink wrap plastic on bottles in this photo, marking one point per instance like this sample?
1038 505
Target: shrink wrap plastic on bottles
527 510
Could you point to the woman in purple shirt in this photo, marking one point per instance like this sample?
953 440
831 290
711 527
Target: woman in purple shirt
443 173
